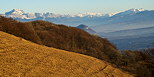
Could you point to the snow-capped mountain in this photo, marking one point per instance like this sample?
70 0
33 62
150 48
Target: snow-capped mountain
15 12
30 15
112 14
129 12
129 19
20 14
88 14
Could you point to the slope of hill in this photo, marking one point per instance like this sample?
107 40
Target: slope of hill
23 58
61 37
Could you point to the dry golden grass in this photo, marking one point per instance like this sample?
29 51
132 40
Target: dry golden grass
21 58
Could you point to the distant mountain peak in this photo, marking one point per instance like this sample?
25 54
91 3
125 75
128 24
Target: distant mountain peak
86 28
88 14
82 26
15 11
18 13
136 10
130 12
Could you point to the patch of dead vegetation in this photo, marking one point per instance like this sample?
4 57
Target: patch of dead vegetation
21 58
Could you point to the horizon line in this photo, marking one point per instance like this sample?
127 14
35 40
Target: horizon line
78 13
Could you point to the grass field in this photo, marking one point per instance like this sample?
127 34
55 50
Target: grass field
21 58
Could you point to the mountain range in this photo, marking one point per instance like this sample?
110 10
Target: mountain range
17 13
101 23
127 20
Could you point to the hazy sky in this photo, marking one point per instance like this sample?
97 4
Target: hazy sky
74 6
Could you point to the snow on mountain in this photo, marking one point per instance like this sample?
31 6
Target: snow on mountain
98 21
15 12
88 14
52 15
129 12
30 15
39 15
112 14
132 20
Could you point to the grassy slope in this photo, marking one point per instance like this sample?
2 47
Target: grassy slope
23 58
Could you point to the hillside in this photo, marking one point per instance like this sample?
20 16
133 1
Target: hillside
61 37
23 58
76 40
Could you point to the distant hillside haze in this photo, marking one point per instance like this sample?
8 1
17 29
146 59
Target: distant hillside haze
134 42
129 32
132 39
86 28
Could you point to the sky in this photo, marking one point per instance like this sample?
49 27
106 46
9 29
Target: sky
74 6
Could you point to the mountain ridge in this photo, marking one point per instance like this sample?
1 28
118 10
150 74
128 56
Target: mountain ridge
88 14
129 19
139 20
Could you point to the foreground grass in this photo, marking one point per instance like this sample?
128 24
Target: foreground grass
21 58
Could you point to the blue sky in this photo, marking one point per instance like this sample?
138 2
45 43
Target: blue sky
74 6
